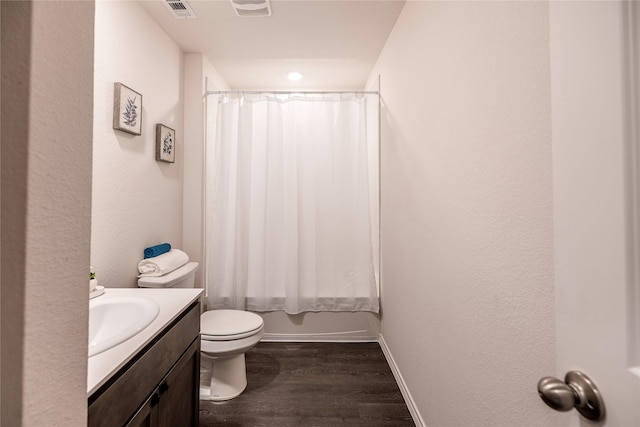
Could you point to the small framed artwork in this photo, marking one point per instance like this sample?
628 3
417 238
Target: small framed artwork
165 143
127 109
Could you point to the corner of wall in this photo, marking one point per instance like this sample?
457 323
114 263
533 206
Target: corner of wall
193 174
46 178
198 73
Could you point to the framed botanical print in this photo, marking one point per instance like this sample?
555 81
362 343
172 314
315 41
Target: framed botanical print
165 143
127 109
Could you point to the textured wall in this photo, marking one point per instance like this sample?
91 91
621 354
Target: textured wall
198 73
137 201
467 245
46 208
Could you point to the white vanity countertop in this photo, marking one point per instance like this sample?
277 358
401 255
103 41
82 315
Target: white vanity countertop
171 302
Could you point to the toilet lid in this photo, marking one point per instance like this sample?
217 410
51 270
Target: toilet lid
228 324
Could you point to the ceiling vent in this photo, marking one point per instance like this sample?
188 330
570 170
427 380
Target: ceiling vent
252 8
180 9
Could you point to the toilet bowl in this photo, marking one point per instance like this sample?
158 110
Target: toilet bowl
225 336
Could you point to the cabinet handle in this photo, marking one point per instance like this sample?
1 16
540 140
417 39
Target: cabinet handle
155 399
164 387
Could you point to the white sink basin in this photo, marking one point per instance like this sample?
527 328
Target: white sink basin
114 320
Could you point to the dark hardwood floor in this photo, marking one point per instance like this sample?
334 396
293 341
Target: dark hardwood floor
313 385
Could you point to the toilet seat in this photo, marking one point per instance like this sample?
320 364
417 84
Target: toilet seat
228 325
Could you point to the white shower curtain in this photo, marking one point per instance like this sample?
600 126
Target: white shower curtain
291 202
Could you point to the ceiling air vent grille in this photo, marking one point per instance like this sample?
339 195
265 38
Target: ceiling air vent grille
180 9
252 8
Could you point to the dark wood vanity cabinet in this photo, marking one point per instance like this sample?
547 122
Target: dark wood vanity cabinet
160 386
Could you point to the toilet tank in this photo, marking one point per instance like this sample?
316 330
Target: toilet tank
183 277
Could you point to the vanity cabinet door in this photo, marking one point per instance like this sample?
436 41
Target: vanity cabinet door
179 391
147 416
175 401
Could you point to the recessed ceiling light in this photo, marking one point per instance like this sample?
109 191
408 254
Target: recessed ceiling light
294 75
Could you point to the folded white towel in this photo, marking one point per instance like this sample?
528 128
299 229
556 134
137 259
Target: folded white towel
162 264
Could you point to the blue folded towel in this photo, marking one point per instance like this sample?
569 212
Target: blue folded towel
156 250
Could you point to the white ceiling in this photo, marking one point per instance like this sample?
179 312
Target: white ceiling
333 43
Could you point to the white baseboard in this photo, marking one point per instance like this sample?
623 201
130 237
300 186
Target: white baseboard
356 336
417 419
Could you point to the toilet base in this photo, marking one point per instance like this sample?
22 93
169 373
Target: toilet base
222 378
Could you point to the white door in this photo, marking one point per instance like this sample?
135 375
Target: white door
595 207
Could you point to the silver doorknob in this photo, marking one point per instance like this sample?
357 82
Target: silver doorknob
577 391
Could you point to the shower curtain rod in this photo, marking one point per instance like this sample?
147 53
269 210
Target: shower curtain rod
289 92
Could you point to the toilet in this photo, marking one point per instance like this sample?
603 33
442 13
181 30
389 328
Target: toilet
225 336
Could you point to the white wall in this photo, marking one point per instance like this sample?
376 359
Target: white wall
137 201
47 87
467 245
198 74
